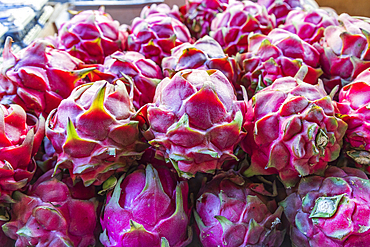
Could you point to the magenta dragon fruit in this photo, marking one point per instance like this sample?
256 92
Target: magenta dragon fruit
51 214
345 51
137 72
330 210
161 9
199 14
156 35
21 135
272 56
206 53
309 25
91 35
353 108
292 130
92 133
148 207
195 121
38 77
231 211
232 27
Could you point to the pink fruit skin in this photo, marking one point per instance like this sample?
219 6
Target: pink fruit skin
91 35
353 107
145 207
292 130
346 225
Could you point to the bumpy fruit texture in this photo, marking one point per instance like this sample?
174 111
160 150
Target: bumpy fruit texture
345 51
231 211
156 35
292 130
38 77
332 210
91 35
199 14
92 133
148 207
195 121
161 8
309 25
138 73
205 54
21 135
51 215
232 27
281 8
354 109
272 56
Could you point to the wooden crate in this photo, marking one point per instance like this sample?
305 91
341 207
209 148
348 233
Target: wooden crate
352 7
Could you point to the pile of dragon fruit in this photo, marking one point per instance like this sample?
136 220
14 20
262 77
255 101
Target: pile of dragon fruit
217 123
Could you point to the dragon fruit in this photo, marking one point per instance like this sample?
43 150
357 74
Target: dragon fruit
330 210
199 14
161 8
309 25
231 211
50 214
345 51
353 108
232 27
137 72
148 207
292 130
281 8
156 35
205 54
92 133
21 136
38 77
195 121
273 56
91 35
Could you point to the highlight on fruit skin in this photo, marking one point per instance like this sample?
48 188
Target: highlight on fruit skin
330 210
148 207
195 121
292 131
92 132
232 211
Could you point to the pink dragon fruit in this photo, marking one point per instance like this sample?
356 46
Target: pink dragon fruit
38 77
330 210
91 35
231 211
353 108
273 56
309 25
205 54
156 35
148 207
21 135
281 8
92 133
199 14
292 130
50 214
162 9
195 121
232 27
345 51
137 72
